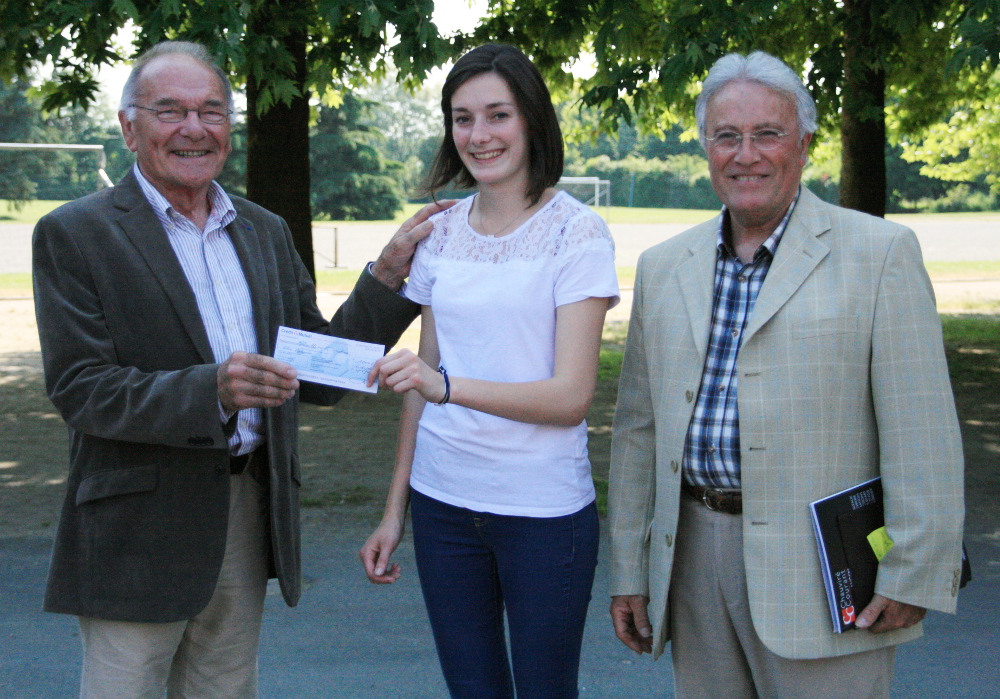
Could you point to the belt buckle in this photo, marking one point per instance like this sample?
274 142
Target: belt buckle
705 500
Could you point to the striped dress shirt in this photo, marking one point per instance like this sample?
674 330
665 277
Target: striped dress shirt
213 270
712 447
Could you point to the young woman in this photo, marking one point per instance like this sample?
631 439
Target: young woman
492 458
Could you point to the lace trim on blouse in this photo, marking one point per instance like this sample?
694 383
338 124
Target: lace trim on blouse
563 225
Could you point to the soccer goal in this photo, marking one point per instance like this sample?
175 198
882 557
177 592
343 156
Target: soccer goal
589 190
101 164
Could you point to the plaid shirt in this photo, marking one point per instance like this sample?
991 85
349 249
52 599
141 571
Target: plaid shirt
712 447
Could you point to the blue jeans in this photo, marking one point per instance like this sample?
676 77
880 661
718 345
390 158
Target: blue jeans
474 564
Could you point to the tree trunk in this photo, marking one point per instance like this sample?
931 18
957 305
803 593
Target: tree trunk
278 153
862 120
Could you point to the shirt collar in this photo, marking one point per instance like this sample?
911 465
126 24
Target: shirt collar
222 210
770 245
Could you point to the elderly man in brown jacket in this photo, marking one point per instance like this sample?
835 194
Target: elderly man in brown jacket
158 306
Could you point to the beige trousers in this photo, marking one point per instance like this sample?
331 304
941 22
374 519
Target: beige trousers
716 651
212 655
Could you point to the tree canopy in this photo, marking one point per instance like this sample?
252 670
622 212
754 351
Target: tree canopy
860 59
882 71
351 179
17 125
282 51
967 145
53 174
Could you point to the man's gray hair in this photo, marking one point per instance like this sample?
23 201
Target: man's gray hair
170 48
761 68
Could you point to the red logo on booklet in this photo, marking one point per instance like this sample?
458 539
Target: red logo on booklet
848 614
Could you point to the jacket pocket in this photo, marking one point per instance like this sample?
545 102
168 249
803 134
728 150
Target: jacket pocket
104 484
818 327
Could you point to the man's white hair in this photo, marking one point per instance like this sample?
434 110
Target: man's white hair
761 68
169 48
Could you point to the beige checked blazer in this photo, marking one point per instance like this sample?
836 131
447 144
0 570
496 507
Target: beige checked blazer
842 377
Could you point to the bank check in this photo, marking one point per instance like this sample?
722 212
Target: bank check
332 361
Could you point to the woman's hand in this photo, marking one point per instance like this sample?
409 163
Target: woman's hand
376 551
404 371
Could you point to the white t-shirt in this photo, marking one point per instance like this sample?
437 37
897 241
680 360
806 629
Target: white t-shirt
494 302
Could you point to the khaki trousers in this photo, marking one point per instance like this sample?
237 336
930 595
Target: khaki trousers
716 651
212 655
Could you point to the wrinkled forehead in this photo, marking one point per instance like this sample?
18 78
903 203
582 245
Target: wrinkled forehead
175 77
751 103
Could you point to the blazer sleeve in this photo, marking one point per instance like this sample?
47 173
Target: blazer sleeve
632 490
84 377
920 447
372 313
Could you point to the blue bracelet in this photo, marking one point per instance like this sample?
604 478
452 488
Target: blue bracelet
447 386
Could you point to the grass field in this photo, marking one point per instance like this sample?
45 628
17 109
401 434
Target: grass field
342 280
979 269
34 210
29 213
622 214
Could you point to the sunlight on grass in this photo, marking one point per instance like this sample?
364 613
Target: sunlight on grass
334 281
624 214
33 210
905 219
971 306
614 214
626 277
979 269
30 213
15 284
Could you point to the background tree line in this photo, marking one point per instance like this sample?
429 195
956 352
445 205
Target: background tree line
885 73
371 149
352 175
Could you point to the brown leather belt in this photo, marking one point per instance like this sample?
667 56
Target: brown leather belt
716 499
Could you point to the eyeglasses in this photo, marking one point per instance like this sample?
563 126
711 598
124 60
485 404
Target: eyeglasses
730 141
175 115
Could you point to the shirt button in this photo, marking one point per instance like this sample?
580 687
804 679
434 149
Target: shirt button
722 389
743 277
670 540
711 449
673 466
734 332
689 396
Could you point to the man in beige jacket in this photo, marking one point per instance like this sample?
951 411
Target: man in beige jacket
786 350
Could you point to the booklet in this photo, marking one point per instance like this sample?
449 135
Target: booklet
850 533
852 539
332 361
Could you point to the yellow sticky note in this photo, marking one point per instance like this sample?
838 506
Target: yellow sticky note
880 542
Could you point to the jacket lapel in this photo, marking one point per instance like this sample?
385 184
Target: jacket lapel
246 241
798 254
144 230
695 277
